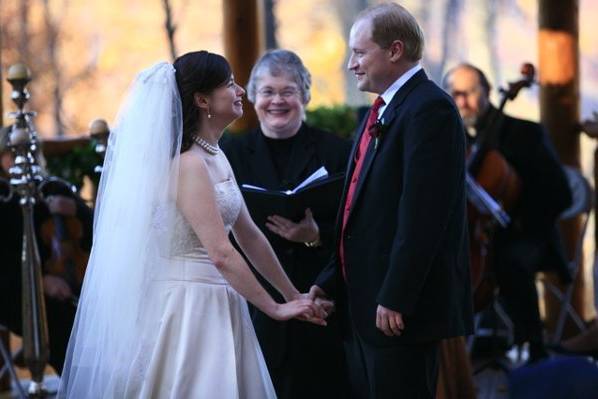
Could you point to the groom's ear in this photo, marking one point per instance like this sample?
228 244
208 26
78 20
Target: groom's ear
396 50
201 100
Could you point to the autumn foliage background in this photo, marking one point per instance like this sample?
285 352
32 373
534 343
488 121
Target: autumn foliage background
85 53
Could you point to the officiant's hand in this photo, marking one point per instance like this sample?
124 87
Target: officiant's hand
305 231
389 322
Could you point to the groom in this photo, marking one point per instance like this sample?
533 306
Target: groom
400 275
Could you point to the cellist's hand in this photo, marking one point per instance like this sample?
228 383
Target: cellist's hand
590 126
61 205
56 287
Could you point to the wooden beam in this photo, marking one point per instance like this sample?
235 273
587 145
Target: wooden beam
1 87
559 75
558 50
58 146
243 45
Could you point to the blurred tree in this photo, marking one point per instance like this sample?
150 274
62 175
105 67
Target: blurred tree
448 38
23 40
32 32
347 10
170 28
450 25
52 27
1 81
271 25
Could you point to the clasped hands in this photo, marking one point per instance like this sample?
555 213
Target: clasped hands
388 321
317 309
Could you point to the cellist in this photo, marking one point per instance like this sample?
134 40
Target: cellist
531 240
60 292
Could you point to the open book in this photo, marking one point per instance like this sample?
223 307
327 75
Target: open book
320 192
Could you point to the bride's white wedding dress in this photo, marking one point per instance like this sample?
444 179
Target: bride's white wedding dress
155 318
200 342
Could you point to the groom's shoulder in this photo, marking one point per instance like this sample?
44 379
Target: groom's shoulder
428 95
429 90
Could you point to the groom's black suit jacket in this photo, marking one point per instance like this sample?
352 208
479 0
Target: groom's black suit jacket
406 243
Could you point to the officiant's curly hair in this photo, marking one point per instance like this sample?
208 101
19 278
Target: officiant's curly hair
277 63
197 72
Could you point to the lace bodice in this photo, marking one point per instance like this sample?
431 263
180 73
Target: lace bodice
228 199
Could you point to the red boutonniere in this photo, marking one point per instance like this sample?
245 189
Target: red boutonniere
377 131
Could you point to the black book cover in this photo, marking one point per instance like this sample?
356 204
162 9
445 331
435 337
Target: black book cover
322 196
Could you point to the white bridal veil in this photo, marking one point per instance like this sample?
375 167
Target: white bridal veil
134 219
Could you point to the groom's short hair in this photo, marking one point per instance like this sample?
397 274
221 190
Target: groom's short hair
391 22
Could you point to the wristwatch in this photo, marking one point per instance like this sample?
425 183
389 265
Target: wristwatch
313 244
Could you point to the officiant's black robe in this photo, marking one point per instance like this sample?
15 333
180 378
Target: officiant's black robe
304 360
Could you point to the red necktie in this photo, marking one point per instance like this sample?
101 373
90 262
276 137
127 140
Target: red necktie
364 142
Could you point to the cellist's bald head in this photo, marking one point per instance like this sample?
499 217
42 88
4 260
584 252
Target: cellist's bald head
470 89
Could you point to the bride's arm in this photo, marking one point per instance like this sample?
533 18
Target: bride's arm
258 250
197 202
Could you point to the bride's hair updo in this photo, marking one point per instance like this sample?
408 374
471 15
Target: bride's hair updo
197 72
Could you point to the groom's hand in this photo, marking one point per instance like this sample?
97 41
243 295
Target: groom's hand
318 295
389 322
320 309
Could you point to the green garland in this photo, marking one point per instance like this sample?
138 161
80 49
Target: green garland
76 164
338 119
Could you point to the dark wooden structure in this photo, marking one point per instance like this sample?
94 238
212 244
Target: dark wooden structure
244 41
558 49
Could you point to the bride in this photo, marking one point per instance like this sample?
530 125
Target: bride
163 313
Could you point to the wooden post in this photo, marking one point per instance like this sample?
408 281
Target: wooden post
243 45
4 340
558 44
4 336
1 87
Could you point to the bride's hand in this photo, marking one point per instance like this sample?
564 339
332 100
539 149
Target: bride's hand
304 309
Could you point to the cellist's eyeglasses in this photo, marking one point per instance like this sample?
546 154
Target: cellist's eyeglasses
464 93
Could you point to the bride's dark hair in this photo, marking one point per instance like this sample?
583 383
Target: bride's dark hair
197 72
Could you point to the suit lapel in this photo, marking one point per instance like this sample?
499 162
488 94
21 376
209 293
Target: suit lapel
351 161
388 117
349 172
367 162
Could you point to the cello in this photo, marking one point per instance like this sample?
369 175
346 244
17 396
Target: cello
62 236
493 189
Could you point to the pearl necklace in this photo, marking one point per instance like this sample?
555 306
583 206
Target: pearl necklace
209 148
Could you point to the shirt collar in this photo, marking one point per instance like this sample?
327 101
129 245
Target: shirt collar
394 88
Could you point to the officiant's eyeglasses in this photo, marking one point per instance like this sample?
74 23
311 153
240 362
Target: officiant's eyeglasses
285 93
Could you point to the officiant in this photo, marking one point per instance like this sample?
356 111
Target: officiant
305 361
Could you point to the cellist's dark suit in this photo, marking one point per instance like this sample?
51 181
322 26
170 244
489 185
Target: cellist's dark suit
532 241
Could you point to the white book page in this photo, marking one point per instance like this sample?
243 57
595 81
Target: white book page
318 174
253 187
